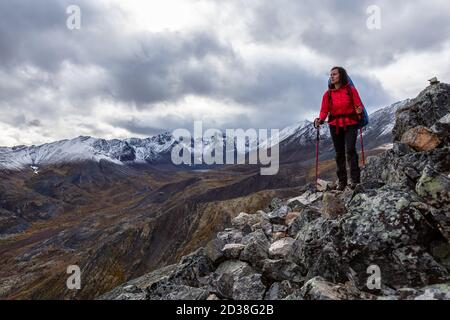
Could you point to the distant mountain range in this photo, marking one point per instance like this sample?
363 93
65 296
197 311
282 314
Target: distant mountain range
157 149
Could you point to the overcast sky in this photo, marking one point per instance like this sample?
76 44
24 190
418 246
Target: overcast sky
138 68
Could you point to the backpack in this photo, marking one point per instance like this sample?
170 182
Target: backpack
364 120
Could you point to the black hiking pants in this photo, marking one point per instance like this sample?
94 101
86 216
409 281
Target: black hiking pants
345 147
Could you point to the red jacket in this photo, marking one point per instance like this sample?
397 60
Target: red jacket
341 106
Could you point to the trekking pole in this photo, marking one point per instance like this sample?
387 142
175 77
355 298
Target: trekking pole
362 147
317 157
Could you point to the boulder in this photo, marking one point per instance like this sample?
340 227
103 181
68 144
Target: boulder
230 236
442 129
306 216
320 289
280 290
192 270
425 110
222 280
214 250
265 226
281 248
275 204
323 185
278 270
279 228
333 207
278 215
256 248
233 250
245 219
401 149
390 168
249 288
421 139
307 198
434 187
441 251
278 235
434 292
290 217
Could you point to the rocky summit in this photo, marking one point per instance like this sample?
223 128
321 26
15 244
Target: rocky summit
387 238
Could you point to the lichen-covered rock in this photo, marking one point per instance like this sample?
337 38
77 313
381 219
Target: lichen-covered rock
418 267
384 219
275 204
249 288
315 250
402 148
333 206
404 170
441 251
379 227
425 110
306 216
434 187
442 129
434 292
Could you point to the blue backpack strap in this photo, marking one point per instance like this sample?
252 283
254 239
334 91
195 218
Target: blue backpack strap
365 117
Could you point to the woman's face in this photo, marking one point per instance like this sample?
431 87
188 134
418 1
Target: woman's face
334 75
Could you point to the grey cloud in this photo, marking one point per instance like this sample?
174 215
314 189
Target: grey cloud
338 28
143 69
34 123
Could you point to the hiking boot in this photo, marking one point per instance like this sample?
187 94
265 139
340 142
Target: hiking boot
354 184
341 186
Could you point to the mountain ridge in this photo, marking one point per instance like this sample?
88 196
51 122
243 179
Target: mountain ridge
156 149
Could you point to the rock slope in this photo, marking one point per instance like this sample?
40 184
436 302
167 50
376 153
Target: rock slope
386 239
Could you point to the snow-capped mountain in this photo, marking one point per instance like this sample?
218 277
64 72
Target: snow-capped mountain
86 148
303 133
157 149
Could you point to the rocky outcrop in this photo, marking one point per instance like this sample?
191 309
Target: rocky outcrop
432 104
389 238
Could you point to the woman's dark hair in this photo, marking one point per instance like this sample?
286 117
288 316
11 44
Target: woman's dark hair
343 77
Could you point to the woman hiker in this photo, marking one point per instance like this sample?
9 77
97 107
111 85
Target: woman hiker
344 105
